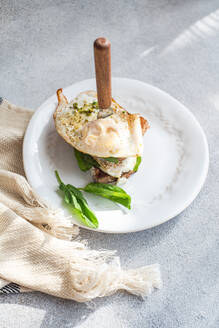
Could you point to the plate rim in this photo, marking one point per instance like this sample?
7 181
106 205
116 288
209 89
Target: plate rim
179 210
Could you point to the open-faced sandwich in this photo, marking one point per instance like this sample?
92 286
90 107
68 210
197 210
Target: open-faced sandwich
107 139
111 145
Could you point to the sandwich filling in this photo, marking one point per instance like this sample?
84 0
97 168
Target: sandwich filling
114 142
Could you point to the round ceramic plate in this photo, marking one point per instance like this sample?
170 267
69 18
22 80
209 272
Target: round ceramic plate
171 174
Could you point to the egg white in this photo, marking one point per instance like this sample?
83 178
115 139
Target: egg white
117 169
118 135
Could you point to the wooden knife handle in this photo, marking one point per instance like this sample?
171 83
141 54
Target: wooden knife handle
102 57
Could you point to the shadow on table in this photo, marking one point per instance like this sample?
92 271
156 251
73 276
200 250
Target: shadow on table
142 240
65 313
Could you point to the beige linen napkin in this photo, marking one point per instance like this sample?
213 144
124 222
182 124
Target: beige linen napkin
37 246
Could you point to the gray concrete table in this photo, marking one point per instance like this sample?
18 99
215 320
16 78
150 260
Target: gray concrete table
175 46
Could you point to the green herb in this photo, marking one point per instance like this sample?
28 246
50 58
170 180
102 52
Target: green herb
95 105
114 193
138 162
75 105
77 204
111 159
85 161
88 111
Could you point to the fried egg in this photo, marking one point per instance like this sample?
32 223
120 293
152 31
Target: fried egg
118 135
117 169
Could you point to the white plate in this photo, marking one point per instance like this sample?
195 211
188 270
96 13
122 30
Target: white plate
172 172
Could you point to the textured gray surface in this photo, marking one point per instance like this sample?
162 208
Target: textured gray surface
175 46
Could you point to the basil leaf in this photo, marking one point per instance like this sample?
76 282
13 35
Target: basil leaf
85 161
58 178
105 186
77 204
138 162
114 193
83 204
67 197
111 159
82 163
78 194
87 217
88 213
81 217
74 201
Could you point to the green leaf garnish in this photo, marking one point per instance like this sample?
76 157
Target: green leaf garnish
77 204
95 105
111 159
114 193
75 105
138 162
85 161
